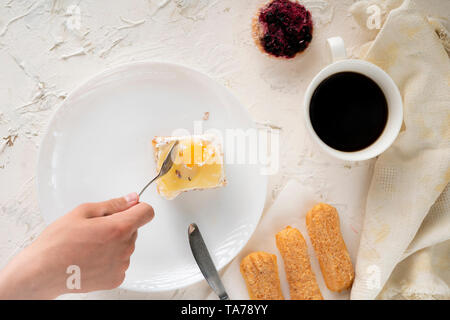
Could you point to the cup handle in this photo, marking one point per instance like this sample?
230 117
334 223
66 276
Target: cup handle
337 49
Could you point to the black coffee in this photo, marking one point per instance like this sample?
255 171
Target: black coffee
348 111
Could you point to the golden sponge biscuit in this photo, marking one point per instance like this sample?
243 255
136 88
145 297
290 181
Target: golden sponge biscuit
322 223
301 278
260 272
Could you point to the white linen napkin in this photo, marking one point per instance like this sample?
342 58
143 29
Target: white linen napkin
410 176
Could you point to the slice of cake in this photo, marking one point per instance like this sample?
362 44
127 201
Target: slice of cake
198 164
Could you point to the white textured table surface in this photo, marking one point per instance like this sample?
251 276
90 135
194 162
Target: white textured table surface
47 48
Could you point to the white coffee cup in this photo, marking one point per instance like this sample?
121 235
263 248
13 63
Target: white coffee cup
381 78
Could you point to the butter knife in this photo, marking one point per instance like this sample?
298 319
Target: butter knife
204 261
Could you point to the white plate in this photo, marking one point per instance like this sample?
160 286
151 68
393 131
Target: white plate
98 146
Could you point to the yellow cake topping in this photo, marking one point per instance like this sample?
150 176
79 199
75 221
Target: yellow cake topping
198 164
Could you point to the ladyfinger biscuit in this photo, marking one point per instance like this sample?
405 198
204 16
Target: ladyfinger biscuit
260 272
301 278
322 223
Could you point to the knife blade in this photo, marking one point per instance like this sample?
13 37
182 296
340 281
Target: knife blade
204 261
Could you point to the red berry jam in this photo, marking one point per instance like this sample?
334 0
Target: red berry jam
286 28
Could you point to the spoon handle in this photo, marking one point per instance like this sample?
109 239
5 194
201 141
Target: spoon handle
166 166
148 184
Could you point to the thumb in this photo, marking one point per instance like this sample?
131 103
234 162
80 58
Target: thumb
109 207
136 216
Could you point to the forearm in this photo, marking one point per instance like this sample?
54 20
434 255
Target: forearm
26 277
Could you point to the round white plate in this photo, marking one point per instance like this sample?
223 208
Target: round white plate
98 146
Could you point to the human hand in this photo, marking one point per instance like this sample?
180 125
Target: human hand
99 238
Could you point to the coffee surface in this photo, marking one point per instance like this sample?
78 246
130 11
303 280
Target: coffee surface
348 111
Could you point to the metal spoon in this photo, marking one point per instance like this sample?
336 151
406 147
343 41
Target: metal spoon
167 164
204 261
